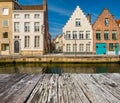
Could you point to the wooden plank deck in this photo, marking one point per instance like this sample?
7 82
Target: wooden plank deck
52 88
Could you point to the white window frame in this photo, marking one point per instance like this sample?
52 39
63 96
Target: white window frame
16 27
81 47
27 26
7 12
27 42
36 26
37 41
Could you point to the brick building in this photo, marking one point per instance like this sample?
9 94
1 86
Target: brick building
106 39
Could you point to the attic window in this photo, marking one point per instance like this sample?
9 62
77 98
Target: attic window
106 22
77 22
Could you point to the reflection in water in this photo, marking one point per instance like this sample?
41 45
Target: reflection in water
59 68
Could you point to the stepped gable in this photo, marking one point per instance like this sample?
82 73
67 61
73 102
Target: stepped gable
105 14
77 13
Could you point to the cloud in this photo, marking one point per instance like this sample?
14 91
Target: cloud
60 11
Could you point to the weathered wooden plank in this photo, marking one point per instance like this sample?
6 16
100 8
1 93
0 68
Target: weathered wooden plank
40 93
2 76
108 84
8 81
76 94
52 88
100 93
19 91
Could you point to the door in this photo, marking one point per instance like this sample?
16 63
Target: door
116 48
16 46
101 48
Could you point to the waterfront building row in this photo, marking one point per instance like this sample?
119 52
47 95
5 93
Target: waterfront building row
23 29
81 37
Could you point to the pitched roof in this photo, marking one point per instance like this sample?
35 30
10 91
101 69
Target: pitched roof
32 7
118 21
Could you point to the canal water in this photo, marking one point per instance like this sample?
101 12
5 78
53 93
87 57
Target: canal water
39 68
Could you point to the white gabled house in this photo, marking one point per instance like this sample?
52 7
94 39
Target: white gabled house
78 34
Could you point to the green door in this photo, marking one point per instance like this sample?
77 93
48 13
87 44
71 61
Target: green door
117 49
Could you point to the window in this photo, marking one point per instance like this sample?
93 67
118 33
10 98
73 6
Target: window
114 35
74 47
106 35
5 47
5 34
16 27
37 42
81 36
77 22
36 27
27 16
98 34
68 47
5 11
36 16
106 22
5 23
27 41
27 27
81 47
68 35
87 34
111 47
74 34
87 47
16 16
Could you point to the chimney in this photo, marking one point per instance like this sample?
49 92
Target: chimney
45 4
89 17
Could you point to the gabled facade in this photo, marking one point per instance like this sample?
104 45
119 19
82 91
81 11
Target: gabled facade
106 34
77 34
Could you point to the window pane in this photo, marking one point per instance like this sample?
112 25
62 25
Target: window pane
106 35
37 42
5 35
16 27
27 41
87 34
36 27
5 23
77 22
114 35
106 21
74 34
81 36
68 35
27 16
36 16
27 27
5 11
98 35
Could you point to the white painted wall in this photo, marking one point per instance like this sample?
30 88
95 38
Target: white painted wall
32 34
85 26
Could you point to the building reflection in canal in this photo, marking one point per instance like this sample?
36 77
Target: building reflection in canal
40 68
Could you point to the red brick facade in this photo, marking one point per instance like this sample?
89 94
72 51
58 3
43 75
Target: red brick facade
99 25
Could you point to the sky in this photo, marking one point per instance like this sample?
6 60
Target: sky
59 11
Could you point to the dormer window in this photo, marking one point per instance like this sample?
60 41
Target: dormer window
106 22
77 22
